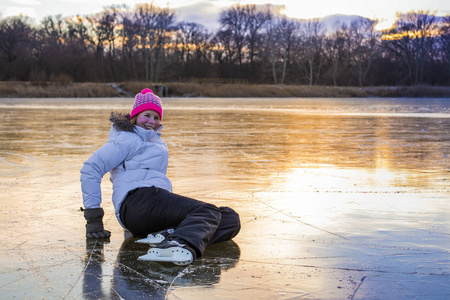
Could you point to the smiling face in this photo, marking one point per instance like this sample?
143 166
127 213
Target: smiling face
148 119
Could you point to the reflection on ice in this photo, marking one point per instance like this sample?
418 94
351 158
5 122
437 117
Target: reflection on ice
133 279
339 199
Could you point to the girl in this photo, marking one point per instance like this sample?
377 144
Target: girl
137 159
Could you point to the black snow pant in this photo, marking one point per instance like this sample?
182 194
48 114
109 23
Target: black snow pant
150 209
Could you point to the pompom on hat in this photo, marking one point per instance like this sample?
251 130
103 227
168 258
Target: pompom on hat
146 100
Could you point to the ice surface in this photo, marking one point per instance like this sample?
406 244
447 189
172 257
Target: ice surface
338 198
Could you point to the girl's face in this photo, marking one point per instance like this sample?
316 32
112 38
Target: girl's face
148 119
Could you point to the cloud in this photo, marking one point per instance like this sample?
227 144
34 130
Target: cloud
15 11
205 13
27 2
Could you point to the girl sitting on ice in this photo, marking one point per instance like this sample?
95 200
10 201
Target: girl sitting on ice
137 158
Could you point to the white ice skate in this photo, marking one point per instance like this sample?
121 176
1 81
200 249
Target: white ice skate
169 251
156 237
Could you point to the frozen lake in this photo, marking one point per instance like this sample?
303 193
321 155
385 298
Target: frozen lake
338 198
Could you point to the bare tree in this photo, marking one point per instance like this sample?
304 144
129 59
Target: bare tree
77 32
203 45
412 42
191 43
224 51
363 42
286 31
98 37
312 47
146 19
337 50
107 25
256 18
14 35
78 49
445 46
271 43
154 23
128 31
53 30
235 21
281 37
164 28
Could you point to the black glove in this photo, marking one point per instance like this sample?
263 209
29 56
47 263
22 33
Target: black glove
94 226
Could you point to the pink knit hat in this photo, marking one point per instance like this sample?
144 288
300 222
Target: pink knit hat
146 100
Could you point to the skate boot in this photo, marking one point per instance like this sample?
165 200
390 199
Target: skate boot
174 250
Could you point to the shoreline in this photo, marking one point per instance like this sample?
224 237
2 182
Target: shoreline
16 89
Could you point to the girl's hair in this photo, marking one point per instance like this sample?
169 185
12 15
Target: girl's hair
133 120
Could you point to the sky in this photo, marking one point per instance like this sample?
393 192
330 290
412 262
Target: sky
206 12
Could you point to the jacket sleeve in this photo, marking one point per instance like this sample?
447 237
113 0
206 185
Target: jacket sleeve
103 160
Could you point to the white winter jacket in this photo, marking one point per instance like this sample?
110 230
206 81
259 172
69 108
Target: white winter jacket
135 157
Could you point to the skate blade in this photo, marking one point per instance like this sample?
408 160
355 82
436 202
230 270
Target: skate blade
176 255
151 239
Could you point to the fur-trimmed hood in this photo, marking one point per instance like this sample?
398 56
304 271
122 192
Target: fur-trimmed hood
121 121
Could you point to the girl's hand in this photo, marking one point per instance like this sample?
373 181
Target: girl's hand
94 226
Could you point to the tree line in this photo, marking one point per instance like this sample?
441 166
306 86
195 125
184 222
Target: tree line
255 43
